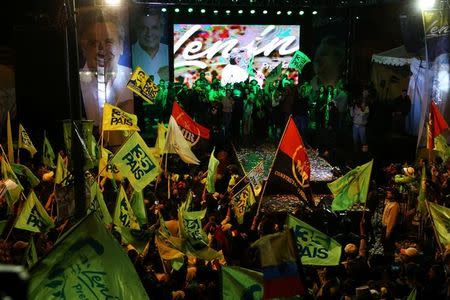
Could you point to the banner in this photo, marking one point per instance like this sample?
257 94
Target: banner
256 177
291 169
314 247
135 162
143 85
116 119
436 125
242 202
107 169
123 213
86 263
240 283
176 143
299 61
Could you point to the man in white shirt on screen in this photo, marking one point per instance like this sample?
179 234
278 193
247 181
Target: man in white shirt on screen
148 52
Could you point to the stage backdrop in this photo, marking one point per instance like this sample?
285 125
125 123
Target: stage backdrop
226 51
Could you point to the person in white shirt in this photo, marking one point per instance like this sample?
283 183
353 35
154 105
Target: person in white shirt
148 52
102 79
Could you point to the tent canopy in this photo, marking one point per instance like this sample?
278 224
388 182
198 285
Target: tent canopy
394 57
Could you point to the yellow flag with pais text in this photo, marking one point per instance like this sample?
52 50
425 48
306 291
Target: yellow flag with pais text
135 161
116 119
33 216
25 141
123 213
107 169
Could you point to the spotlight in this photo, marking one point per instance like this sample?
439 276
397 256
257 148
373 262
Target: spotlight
331 18
228 11
314 12
202 10
265 12
177 10
357 18
425 4
216 11
190 9
252 11
289 12
112 2
163 9
279 12
240 11
301 13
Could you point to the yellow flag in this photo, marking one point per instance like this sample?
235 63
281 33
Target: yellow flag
123 213
161 138
9 140
116 119
25 141
7 173
33 216
135 161
242 201
143 85
107 169
61 170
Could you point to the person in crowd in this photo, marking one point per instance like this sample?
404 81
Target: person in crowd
359 113
400 110
227 113
390 221
149 52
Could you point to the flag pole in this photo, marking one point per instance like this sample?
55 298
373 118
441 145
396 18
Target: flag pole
270 172
101 154
434 227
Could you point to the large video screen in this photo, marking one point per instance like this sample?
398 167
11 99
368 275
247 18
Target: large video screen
232 53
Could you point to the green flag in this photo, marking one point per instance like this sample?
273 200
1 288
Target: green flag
242 201
138 206
22 170
351 188
412 295
48 156
240 283
440 145
314 247
135 161
298 61
61 170
422 191
137 238
31 257
98 204
33 216
441 219
86 263
7 173
212 170
195 240
123 213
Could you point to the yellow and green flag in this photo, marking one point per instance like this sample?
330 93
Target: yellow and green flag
138 206
116 119
440 145
25 141
240 283
33 216
61 170
195 240
9 140
351 188
98 205
135 161
107 169
314 247
86 263
212 170
123 213
160 139
441 219
31 257
48 156
22 170
7 173
242 201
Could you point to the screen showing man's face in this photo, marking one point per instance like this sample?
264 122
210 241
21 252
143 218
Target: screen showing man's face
149 31
102 46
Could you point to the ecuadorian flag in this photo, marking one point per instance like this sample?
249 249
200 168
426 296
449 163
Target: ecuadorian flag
279 265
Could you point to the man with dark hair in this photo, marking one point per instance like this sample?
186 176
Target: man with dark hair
148 51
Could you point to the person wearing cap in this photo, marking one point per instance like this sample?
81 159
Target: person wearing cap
389 221
355 263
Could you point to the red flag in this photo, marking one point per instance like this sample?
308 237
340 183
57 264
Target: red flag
192 131
291 170
436 125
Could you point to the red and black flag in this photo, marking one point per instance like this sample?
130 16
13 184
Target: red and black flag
192 131
436 125
291 170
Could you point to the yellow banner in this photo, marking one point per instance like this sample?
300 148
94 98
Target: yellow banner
141 84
